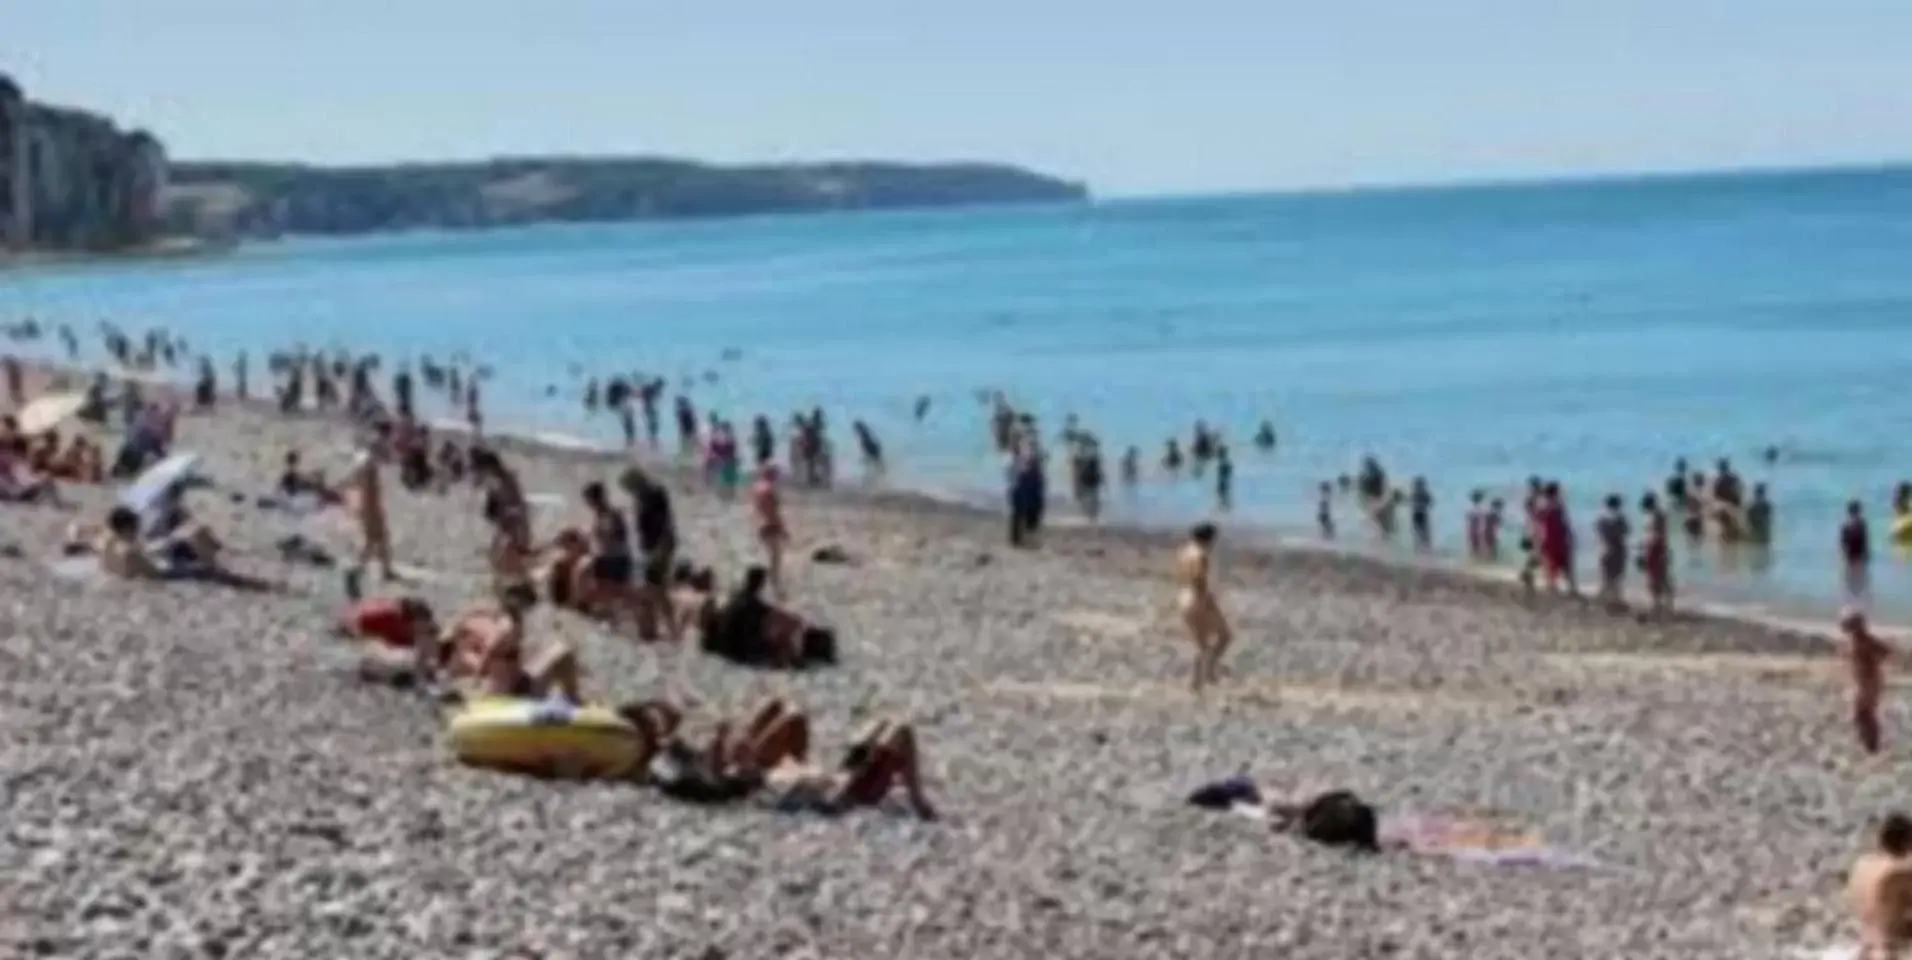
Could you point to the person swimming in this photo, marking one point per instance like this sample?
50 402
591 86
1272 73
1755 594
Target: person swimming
1201 612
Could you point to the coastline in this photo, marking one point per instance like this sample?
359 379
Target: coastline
164 249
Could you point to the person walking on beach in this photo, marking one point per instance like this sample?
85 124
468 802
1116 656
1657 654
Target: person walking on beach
1879 890
1324 510
364 490
1201 612
1866 654
1855 555
767 504
1028 491
1611 531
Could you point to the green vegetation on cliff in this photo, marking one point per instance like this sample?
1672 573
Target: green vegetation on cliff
263 198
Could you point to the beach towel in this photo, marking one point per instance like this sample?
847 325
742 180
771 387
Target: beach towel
1478 841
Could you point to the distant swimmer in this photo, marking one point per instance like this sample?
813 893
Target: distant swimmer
1172 457
1224 477
922 408
1201 612
1265 436
1324 510
1131 466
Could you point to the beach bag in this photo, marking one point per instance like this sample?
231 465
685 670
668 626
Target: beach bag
819 646
1340 819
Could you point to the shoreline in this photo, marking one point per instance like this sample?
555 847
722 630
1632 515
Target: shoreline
1246 544
1257 546
163 249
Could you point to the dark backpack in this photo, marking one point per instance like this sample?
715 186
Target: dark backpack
1340 819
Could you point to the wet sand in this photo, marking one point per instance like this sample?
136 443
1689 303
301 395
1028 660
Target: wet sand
188 773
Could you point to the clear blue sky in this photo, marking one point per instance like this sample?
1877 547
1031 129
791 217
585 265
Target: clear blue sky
1133 96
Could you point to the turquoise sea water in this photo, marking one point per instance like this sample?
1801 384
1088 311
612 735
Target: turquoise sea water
1591 332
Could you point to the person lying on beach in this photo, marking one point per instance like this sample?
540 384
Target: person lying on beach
404 622
79 461
19 483
192 553
747 629
1879 891
769 754
1867 656
484 651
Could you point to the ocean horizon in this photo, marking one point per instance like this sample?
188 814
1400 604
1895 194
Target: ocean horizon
1589 330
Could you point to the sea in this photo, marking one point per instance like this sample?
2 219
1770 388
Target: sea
1591 332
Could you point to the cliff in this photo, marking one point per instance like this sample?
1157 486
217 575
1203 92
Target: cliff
266 199
72 180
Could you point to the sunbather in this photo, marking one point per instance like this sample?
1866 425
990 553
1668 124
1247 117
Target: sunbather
748 629
483 648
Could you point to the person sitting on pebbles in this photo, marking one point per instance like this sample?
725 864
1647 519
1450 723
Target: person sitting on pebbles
388 627
1879 890
485 651
750 630
190 554
21 484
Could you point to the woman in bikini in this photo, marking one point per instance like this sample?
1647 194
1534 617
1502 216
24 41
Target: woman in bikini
767 504
1201 612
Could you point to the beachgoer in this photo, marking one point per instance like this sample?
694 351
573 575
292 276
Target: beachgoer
767 504
1420 510
1265 436
364 489
484 648
1490 530
1131 466
1201 612
1224 477
657 541
1172 457
1611 531
1759 518
1879 890
1866 654
1477 524
747 629
611 584
1855 555
1554 540
1324 510
1656 555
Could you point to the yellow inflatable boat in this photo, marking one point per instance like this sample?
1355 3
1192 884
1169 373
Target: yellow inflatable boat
543 737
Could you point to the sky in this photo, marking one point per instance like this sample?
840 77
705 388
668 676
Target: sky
1136 98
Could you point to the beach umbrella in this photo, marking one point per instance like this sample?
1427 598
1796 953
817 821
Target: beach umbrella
47 412
159 480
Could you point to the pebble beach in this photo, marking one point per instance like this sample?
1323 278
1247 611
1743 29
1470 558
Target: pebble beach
189 772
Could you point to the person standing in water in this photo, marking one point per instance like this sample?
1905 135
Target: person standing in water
1611 532
1324 510
1201 612
767 504
1855 555
1224 477
1656 555
1420 512
1866 654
